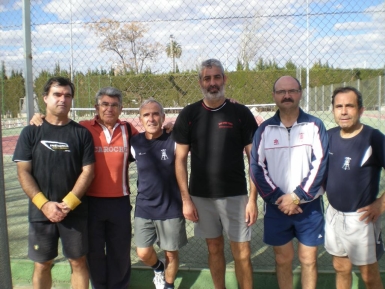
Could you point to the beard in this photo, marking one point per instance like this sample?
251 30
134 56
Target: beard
212 96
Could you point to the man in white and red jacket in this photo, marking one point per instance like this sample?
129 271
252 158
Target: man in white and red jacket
288 164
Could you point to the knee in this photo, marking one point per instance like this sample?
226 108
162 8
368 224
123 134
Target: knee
144 255
172 256
344 268
43 266
284 258
215 246
241 252
372 280
371 277
308 261
79 263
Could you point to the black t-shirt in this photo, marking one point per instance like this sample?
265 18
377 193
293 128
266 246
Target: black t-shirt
354 170
158 193
58 154
217 138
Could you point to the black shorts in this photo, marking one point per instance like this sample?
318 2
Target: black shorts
43 239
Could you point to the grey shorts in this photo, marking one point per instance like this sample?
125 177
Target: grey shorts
218 215
347 236
43 239
169 235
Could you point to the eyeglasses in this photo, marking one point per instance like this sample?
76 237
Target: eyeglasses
112 105
290 92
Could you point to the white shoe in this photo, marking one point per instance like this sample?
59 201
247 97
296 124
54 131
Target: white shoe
159 279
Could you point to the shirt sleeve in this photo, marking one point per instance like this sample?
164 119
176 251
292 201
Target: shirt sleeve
181 130
89 149
378 145
249 127
259 170
24 145
315 179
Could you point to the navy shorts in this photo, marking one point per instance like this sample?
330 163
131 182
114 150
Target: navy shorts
43 239
307 227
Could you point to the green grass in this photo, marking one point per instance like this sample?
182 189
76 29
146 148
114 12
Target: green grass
186 279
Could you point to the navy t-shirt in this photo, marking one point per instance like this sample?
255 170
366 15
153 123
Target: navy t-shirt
217 138
355 166
158 192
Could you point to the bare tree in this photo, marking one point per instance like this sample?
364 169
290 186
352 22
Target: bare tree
127 41
251 43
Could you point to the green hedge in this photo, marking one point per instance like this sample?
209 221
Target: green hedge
249 87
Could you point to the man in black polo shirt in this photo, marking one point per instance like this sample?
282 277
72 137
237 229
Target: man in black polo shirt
217 132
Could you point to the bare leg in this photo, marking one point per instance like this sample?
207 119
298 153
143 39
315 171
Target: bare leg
172 263
79 277
371 276
343 268
308 258
217 263
284 256
42 278
243 268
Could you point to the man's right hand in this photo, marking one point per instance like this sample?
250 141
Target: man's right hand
37 119
286 205
189 211
53 211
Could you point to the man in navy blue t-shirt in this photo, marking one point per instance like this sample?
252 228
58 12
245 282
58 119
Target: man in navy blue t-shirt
356 158
158 209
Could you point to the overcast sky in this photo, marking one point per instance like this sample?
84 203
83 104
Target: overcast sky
346 34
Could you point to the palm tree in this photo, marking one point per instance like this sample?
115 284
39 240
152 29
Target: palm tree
173 50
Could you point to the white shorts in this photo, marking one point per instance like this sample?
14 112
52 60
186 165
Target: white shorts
218 215
347 236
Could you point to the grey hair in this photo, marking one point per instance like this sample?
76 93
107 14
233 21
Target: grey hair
209 63
152 100
111 92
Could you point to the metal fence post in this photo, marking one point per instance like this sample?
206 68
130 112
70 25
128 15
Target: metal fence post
5 263
28 78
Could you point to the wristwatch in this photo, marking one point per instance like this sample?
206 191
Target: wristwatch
295 198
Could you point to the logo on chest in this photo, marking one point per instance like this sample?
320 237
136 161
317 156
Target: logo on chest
300 139
164 155
225 124
56 146
346 165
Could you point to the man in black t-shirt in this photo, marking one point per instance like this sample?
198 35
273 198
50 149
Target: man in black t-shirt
55 166
217 132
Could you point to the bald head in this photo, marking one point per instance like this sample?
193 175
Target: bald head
286 78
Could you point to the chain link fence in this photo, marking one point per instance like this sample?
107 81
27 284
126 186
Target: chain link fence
154 48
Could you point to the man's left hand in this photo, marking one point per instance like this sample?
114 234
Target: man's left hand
251 213
64 208
286 205
372 211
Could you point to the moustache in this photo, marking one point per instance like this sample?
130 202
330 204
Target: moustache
216 87
287 100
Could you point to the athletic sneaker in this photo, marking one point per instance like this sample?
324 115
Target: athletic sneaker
159 279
